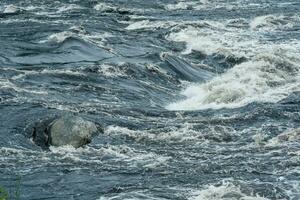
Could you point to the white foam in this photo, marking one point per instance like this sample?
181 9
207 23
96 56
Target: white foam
5 83
107 7
123 153
207 5
31 7
23 73
11 9
199 5
221 37
177 135
196 41
60 37
272 22
285 138
68 7
104 7
62 71
130 195
111 71
79 32
182 5
146 24
265 77
10 20
252 81
226 191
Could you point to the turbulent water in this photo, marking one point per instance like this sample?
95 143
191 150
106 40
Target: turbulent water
198 100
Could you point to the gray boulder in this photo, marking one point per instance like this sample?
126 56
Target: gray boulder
71 130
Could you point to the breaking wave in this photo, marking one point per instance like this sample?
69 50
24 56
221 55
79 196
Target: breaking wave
269 73
225 191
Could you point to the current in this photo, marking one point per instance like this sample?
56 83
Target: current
198 99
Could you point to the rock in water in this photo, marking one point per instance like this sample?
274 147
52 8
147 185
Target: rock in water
39 132
70 130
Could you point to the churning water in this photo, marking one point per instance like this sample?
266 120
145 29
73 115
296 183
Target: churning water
198 100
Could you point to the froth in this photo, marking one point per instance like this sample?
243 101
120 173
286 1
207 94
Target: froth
225 191
285 138
104 7
60 37
123 153
253 81
146 24
264 77
10 9
272 22
196 41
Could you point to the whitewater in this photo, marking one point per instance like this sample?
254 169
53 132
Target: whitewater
193 100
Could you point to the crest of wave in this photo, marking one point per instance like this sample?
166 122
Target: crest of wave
268 78
226 191
273 22
270 73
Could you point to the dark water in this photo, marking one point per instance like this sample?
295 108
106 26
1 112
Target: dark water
199 100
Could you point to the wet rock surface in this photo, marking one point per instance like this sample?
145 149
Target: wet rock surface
70 130
64 130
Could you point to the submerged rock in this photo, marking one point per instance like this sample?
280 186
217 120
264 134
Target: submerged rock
70 130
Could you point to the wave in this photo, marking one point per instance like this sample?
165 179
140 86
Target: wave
87 155
6 84
111 71
184 70
238 36
73 45
110 8
112 152
286 137
37 10
146 24
187 133
195 41
11 9
224 192
260 77
68 7
273 22
142 194
182 5
105 7
183 134
77 33
207 5
266 79
59 37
